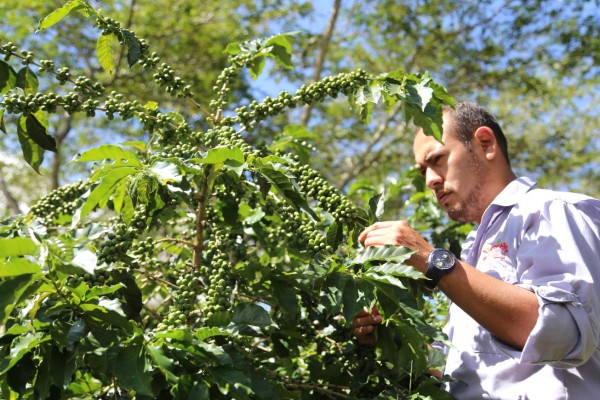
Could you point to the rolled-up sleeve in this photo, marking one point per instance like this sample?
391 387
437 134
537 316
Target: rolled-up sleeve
559 260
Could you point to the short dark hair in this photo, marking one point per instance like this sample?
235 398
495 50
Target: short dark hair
467 117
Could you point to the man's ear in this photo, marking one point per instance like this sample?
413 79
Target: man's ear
486 140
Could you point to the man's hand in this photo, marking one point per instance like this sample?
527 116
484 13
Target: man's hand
364 326
398 233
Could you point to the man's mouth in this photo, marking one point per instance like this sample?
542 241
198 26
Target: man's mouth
442 197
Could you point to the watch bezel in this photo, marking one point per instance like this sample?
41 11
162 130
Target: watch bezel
434 257
435 272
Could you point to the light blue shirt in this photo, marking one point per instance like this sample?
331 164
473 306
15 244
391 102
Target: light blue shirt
549 243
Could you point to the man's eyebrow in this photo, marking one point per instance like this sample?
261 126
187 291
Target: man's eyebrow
433 153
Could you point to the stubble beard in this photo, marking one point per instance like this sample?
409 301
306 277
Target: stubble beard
469 209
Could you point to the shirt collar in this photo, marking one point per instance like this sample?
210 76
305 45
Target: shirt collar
513 192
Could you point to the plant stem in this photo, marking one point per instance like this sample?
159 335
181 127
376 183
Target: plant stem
201 198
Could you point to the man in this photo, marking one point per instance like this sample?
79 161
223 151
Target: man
524 318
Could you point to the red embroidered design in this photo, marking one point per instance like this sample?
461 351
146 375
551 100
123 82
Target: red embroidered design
497 250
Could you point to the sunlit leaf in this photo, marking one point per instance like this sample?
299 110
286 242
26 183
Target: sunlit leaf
166 172
60 13
21 345
104 51
101 192
384 253
109 152
18 266
376 207
220 155
396 269
205 333
16 247
232 48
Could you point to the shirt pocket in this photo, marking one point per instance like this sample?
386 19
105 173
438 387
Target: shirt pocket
499 268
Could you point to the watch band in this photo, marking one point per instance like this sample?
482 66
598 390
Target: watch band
434 276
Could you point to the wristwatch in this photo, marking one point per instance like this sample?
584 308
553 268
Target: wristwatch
439 263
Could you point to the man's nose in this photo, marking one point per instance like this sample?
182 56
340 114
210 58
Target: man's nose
432 178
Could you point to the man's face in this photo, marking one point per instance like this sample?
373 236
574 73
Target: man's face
454 174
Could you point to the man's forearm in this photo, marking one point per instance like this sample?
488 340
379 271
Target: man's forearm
509 312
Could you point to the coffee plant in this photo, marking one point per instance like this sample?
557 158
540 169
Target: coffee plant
199 264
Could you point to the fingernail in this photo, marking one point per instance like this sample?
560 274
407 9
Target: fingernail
377 319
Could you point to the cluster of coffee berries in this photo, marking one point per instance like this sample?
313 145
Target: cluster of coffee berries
18 103
114 104
224 136
60 201
165 76
330 86
72 103
63 75
86 86
143 249
8 49
228 190
172 135
149 61
303 230
108 26
100 277
26 57
307 94
255 111
180 311
47 65
182 150
222 85
118 242
215 272
314 185
90 106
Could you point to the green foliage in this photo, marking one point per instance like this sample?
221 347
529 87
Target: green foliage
195 264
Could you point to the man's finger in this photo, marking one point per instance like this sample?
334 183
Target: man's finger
366 321
363 330
375 226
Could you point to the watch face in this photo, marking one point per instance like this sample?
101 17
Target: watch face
442 259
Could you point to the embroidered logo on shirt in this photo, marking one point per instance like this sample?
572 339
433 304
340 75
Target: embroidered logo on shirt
498 250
